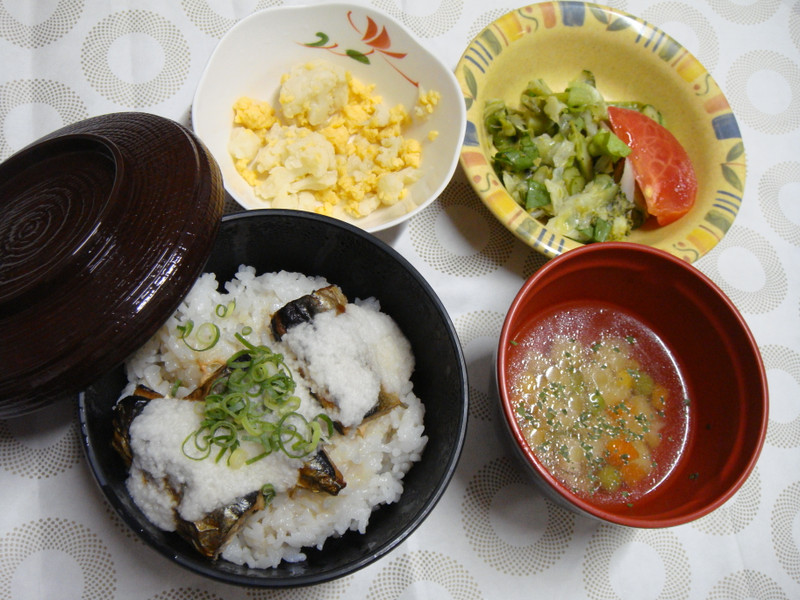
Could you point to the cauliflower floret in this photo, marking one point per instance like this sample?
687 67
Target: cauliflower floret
312 155
244 144
364 207
313 92
389 154
276 186
333 148
296 159
392 186
380 116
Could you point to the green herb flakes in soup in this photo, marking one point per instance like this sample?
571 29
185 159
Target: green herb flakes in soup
600 402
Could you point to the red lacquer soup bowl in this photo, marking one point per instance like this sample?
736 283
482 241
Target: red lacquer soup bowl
631 386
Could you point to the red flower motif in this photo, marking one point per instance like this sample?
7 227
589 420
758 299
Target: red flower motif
375 36
378 39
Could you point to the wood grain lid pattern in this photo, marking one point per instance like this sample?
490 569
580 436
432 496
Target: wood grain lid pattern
104 226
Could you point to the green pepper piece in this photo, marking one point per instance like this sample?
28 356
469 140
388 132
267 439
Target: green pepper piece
537 195
601 230
519 158
514 159
581 94
582 155
606 143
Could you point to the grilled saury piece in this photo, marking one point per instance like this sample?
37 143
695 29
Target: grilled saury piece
125 411
207 385
304 308
319 474
386 402
210 533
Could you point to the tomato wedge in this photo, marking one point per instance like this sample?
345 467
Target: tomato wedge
661 166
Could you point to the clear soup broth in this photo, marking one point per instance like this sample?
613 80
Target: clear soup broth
600 401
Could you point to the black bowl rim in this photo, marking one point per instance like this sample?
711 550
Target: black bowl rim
208 569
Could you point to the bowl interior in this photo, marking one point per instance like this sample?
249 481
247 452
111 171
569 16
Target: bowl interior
632 61
387 55
364 267
713 348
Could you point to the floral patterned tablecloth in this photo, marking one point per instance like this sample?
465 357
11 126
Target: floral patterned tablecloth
492 535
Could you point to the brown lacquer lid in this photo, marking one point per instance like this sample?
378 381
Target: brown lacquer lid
104 226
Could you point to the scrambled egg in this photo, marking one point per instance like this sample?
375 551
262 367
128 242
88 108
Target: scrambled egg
331 146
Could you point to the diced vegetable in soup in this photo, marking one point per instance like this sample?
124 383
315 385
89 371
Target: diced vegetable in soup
600 402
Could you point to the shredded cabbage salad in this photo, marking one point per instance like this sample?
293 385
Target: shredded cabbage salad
559 159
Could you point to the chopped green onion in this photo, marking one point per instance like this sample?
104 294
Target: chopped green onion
296 436
255 402
268 491
223 310
207 335
175 386
185 329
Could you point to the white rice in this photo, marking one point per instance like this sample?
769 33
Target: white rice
353 355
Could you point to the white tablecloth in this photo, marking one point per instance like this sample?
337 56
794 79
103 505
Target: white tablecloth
491 536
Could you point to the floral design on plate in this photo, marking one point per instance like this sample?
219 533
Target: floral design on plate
373 35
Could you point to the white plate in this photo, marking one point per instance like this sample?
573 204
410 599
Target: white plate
251 58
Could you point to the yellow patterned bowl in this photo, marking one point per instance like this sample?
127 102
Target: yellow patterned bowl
631 60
